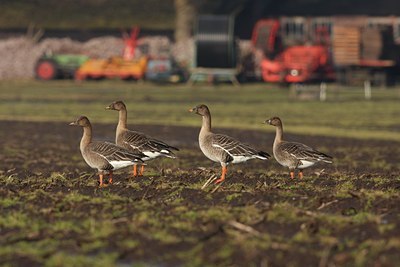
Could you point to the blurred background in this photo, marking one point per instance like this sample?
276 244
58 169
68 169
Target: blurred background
176 40
287 58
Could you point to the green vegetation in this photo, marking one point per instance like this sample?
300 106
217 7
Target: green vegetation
346 113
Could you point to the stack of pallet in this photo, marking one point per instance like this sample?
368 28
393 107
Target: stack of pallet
346 45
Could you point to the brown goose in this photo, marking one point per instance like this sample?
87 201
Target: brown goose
295 156
103 156
136 141
222 148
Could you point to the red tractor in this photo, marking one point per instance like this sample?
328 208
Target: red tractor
291 63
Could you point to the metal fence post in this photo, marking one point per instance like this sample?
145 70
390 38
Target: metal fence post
367 89
322 92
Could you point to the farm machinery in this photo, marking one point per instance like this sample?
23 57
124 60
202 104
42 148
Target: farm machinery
81 67
349 50
125 67
155 68
295 64
63 66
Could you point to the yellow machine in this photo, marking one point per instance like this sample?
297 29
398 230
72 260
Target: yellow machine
114 67
125 67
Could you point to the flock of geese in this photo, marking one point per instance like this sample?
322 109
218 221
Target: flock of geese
133 148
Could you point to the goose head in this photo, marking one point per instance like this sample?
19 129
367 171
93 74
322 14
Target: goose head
274 121
201 110
82 121
116 105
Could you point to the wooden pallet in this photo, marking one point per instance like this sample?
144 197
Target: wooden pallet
346 45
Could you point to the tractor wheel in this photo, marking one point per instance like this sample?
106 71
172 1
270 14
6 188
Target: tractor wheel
46 69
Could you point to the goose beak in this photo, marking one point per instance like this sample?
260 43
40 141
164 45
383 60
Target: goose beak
73 123
193 110
109 107
267 121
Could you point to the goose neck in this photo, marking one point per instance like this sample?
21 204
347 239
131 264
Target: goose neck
122 119
206 124
86 137
278 134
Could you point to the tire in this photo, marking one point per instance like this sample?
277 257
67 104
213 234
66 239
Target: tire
46 69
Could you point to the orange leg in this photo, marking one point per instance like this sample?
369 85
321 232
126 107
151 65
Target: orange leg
141 171
110 178
292 174
301 174
223 174
135 174
101 180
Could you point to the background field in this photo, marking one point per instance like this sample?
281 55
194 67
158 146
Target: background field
345 113
53 213
103 14
153 14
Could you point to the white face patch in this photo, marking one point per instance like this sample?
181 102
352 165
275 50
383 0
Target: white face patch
120 164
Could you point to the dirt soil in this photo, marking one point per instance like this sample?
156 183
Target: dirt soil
344 214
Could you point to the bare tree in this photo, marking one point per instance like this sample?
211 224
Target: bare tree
186 11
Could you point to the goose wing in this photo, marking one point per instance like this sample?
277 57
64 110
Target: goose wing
304 152
141 142
113 153
235 148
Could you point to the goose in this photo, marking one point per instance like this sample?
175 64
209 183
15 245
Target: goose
295 156
103 156
222 148
137 141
